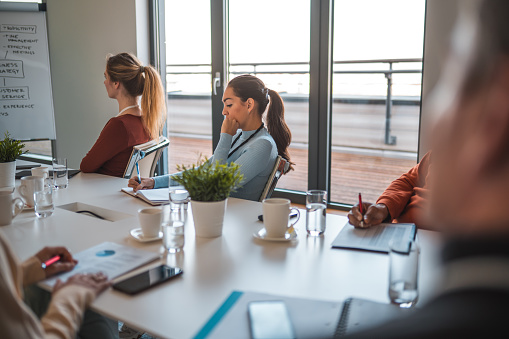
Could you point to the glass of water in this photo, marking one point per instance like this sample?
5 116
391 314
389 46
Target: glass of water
179 197
60 173
173 235
316 209
403 272
44 202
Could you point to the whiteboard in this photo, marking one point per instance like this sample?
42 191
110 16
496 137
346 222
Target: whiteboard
26 101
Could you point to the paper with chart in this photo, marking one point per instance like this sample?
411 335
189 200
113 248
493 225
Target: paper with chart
375 238
110 258
26 101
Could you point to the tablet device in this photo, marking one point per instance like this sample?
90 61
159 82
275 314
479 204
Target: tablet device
147 279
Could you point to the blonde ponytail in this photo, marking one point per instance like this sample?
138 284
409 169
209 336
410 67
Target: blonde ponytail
153 103
141 80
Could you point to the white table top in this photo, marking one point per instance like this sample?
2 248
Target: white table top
213 268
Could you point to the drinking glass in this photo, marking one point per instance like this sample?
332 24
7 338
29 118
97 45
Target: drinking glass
173 236
403 272
60 173
44 202
316 208
179 197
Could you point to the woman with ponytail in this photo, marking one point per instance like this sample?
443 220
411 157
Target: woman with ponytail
126 79
245 138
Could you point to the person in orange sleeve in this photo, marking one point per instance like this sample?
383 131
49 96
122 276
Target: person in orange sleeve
402 201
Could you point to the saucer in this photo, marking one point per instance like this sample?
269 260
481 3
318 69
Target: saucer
28 208
262 235
137 234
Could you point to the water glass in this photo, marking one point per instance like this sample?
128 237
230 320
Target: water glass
44 202
403 272
60 173
179 197
173 236
316 209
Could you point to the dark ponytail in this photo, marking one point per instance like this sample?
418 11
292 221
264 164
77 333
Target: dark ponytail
248 86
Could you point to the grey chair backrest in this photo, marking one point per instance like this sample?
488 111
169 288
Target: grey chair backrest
280 167
146 155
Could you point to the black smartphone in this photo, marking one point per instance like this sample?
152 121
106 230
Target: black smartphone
147 279
293 214
270 319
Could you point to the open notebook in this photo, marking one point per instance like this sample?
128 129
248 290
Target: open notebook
376 238
154 197
310 318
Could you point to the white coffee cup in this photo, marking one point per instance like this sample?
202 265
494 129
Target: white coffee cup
41 172
9 207
30 185
276 214
150 221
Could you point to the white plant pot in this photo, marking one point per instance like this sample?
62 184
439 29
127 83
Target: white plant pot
208 217
7 175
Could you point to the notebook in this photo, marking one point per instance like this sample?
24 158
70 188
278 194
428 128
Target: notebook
360 314
376 238
310 318
154 197
110 258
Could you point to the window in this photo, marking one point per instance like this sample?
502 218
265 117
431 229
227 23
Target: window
376 49
277 51
378 46
188 81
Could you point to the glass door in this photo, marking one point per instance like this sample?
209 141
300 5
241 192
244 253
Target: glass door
377 53
270 39
188 79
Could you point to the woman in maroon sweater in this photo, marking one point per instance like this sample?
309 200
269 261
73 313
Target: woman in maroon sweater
126 79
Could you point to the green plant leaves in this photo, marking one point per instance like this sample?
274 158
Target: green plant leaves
10 149
209 181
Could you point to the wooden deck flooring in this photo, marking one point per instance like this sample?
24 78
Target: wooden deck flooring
351 173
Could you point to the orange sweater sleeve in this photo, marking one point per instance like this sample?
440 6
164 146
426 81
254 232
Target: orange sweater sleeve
111 141
399 192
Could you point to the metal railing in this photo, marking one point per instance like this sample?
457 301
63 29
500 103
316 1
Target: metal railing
255 69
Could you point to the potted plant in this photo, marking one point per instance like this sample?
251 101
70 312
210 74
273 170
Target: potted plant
10 150
209 184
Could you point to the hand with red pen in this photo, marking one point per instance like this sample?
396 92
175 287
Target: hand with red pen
58 259
365 214
53 265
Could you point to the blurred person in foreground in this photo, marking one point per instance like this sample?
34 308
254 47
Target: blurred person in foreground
469 190
63 317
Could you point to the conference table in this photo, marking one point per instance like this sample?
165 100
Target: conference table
213 267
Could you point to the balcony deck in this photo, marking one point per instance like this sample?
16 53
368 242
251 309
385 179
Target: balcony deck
351 173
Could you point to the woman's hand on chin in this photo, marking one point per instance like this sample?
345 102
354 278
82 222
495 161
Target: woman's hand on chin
230 126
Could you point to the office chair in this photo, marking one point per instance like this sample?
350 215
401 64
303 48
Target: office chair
146 155
280 167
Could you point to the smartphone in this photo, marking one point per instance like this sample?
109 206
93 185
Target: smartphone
293 214
147 279
270 319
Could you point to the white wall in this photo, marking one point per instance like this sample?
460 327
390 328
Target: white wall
80 34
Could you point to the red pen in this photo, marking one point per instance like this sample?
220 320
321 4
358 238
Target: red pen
360 204
51 261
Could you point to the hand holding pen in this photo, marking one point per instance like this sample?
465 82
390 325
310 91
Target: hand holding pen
365 214
55 260
138 171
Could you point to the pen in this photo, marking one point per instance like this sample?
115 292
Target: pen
360 204
51 261
138 170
